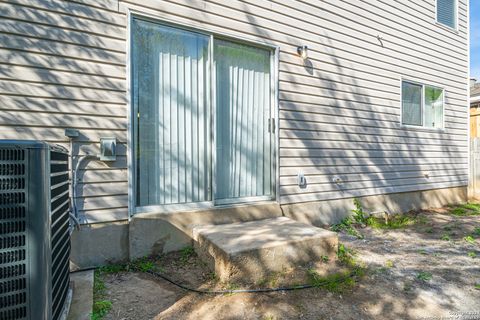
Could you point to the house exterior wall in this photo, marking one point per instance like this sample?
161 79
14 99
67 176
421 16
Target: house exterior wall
63 64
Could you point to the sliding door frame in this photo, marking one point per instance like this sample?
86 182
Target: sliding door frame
131 119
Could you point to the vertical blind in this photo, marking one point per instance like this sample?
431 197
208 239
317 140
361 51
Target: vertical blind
170 72
447 12
243 142
411 104
173 117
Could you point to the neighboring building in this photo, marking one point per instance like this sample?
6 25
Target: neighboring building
219 103
474 108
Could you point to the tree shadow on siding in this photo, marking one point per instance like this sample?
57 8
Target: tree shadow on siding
333 124
329 127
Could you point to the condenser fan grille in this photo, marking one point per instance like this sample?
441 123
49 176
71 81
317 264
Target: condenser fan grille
13 257
59 230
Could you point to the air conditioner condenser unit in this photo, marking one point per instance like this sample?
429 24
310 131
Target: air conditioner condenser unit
34 231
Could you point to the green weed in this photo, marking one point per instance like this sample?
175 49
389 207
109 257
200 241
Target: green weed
476 232
472 254
428 230
395 222
458 212
467 209
186 253
446 237
424 276
337 282
347 226
477 286
358 214
422 220
407 286
231 286
101 306
101 309
145 266
469 239
346 256
112 268
389 264
212 276
272 279
475 207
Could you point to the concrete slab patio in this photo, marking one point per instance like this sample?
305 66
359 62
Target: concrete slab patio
252 250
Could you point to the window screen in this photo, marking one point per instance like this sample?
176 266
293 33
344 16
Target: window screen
447 12
412 104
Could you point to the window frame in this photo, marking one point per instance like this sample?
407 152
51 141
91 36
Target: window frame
423 85
455 28
133 208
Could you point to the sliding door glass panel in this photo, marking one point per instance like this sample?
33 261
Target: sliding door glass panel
170 97
433 107
244 161
411 104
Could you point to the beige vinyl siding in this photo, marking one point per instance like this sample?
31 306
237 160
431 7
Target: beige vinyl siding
63 65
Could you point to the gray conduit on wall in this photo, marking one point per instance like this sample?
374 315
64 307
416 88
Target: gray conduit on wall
74 215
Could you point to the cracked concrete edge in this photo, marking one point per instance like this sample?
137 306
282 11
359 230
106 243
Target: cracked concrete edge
82 301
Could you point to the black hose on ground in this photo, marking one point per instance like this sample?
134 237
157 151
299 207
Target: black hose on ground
299 287
279 289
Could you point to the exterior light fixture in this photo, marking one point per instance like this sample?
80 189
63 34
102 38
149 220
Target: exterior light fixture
303 52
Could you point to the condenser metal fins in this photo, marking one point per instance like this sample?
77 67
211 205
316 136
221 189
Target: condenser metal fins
34 231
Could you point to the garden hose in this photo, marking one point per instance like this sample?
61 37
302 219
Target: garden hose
298 287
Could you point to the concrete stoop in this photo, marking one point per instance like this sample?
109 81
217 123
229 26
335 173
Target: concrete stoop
252 250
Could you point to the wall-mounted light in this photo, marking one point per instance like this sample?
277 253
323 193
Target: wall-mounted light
303 52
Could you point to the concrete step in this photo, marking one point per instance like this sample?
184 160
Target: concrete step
252 250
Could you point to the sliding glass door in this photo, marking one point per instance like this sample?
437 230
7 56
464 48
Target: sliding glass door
243 110
200 122
171 95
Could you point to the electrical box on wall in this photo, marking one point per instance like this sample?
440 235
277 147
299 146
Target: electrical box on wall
301 180
108 148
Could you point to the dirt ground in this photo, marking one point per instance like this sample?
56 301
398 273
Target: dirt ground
427 270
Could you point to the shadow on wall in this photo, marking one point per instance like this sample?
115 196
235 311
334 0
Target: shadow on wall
348 139
333 125
63 71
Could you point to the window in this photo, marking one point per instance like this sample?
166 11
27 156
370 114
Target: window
447 13
184 84
422 105
412 104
